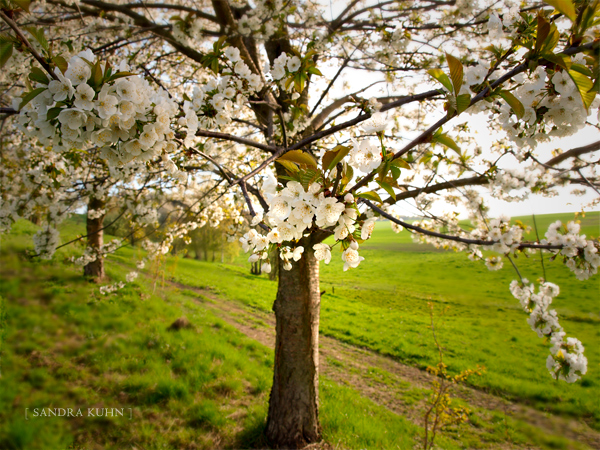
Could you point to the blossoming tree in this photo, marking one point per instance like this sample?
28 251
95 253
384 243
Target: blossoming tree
236 91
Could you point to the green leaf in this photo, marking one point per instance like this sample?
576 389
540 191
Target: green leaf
559 59
97 74
314 71
308 176
463 101
217 45
564 6
543 29
440 76
23 4
370 195
388 188
400 163
38 34
513 102
289 166
120 75
300 157
395 172
53 113
6 49
332 157
551 41
446 140
348 174
585 87
289 81
285 177
426 158
38 75
30 96
299 80
582 70
61 63
456 72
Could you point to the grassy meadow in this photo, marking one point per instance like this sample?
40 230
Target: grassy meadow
65 345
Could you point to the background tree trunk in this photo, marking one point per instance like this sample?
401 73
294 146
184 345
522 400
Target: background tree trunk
95 240
274 260
293 419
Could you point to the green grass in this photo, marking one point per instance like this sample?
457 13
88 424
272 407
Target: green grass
65 345
382 305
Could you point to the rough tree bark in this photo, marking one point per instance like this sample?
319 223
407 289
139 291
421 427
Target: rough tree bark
95 239
293 420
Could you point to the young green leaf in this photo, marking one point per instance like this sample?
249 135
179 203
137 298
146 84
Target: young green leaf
300 157
23 4
388 188
97 74
308 176
38 75
456 72
118 75
446 140
53 113
463 101
582 70
585 87
61 63
400 163
370 195
564 6
559 59
551 41
440 76
38 34
6 49
513 102
289 166
30 96
332 157
543 29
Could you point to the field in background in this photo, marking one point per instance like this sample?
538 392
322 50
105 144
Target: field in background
204 387
208 386
382 305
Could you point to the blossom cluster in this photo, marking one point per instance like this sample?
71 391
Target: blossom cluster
88 105
110 288
213 104
91 254
294 210
517 184
45 242
283 66
581 255
566 360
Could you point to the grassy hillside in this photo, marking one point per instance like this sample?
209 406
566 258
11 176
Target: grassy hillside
207 387
382 305
66 346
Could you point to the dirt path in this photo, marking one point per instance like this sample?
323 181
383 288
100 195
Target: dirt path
398 387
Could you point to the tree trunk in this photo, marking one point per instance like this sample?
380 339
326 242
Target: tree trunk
95 240
132 236
293 420
274 260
